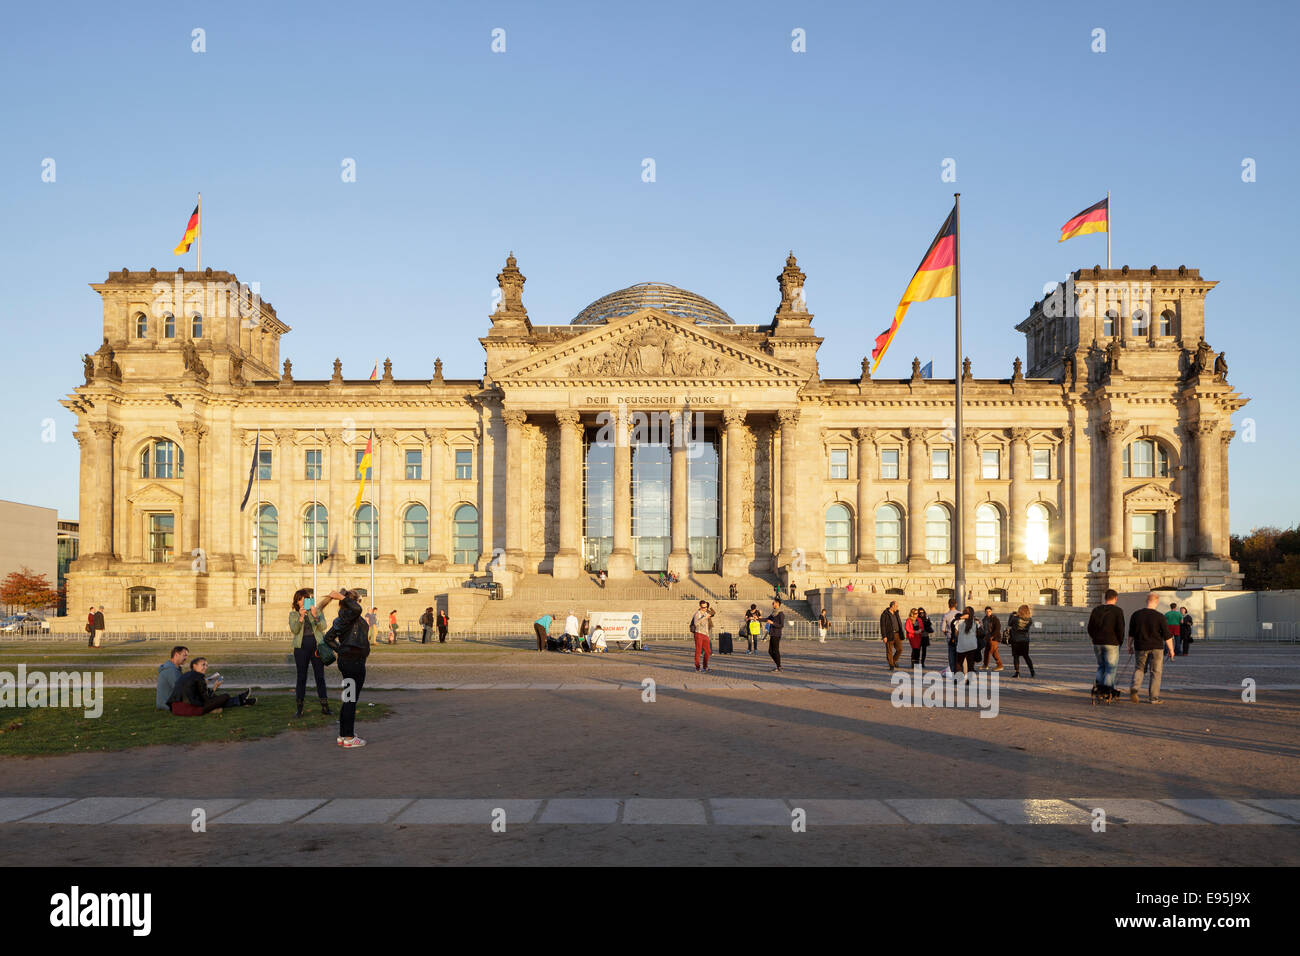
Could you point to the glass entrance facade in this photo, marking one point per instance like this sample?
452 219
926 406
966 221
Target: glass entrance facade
651 504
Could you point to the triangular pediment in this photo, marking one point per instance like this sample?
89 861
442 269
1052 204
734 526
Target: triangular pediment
155 495
650 346
1150 493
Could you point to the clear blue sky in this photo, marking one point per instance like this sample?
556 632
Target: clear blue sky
463 155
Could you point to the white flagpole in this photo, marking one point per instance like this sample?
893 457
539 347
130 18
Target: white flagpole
374 521
959 544
1108 225
315 501
257 523
198 251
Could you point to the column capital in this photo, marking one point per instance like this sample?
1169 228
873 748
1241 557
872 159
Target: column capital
81 438
916 434
787 416
865 435
285 436
1114 428
190 430
1066 433
970 435
332 436
513 416
436 435
386 435
567 418
733 417
1227 435
104 430
1204 428
1019 436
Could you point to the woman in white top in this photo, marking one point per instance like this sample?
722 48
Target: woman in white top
967 642
598 639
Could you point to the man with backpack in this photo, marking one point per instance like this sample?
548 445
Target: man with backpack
349 638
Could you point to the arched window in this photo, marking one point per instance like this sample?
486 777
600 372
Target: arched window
315 535
839 526
889 534
988 533
1139 323
1038 533
1166 326
415 535
162 459
938 535
1145 458
141 326
1108 323
268 533
363 535
169 326
143 599
464 535
196 326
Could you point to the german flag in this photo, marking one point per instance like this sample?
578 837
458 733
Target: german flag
364 468
191 230
935 278
1095 218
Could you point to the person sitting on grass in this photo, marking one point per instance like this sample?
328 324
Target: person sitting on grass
191 697
169 672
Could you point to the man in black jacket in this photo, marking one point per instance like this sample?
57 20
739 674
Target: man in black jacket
1149 638
1106 628
191 696
775 625
891 632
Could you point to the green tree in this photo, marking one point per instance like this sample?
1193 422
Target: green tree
1269 558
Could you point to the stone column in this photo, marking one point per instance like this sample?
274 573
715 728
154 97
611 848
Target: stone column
86 489
287 509
969 464
622 563
866 527
390 524
568 560
679 558
187 522
1116 546
102 504
1063 497
916 478
1207 518
1019 497
515 514
438 521
1167 532
1225 439
735 562
789 420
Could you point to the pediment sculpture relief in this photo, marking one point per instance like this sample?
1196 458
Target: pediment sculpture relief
658 354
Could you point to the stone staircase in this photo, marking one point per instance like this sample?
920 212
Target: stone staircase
664 610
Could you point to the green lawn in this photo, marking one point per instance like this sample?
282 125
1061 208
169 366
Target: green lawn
130 720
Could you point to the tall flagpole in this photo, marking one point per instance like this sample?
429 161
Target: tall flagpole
959 545
374 520
257 523
315 503
198 251
1109 222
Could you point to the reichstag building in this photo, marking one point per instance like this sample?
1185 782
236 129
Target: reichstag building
651 432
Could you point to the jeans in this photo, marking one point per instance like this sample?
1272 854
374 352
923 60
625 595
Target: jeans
302 657
1153 660
701 647
952 656
348 712
426 634
1107 663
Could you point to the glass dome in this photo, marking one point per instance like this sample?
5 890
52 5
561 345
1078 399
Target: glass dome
653 295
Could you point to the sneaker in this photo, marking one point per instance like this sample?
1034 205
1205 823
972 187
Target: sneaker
1156 700
339 741
706 668
351 743
998 668
325 707
250 701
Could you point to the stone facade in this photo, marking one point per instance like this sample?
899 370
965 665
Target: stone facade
1105 466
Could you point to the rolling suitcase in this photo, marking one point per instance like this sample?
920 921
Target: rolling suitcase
724 642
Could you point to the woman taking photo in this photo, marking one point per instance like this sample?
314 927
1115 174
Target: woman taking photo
307 624
967 642
1018 626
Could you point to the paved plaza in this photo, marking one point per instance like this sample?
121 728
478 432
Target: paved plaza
502 755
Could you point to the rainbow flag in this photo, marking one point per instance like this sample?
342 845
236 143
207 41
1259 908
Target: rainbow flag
364 468
935 278
191 230
1096 218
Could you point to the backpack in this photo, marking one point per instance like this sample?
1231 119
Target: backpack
357 641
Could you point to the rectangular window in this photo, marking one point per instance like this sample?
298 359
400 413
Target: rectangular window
414 465
991 462
939 463
1042 464
313 465
1146 540
839 463
264 464
162 538
361 453
888 463
464 465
